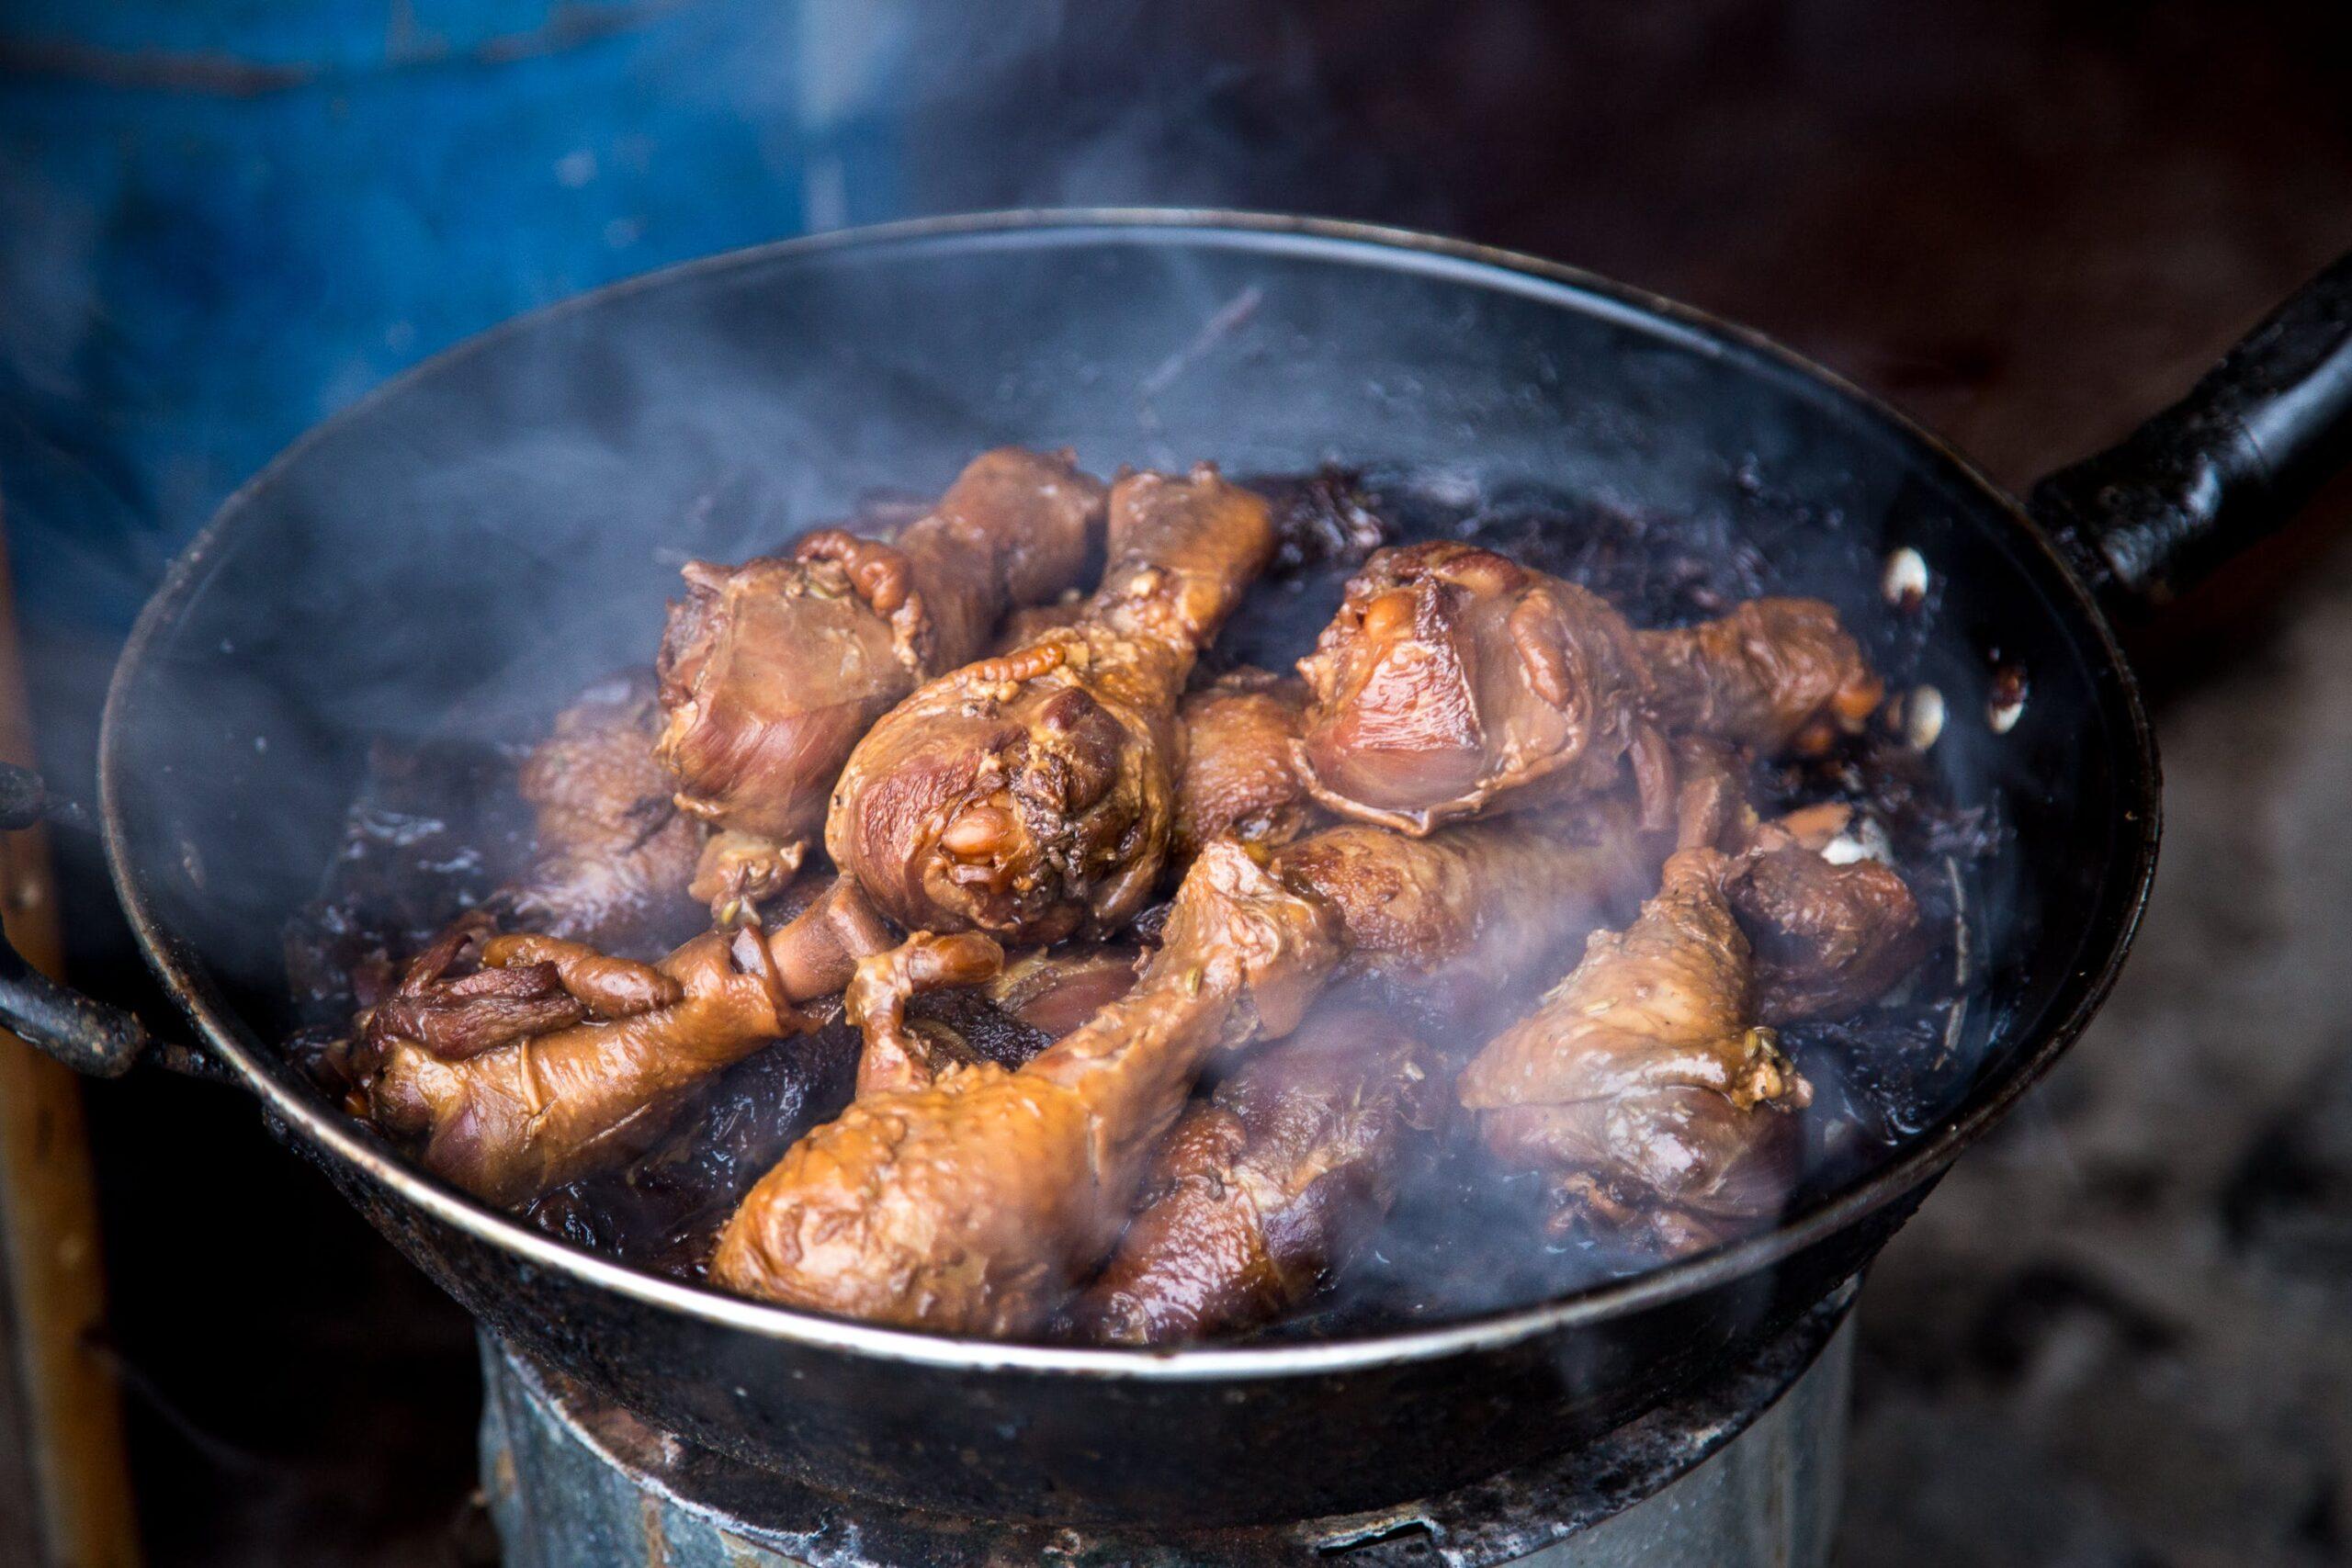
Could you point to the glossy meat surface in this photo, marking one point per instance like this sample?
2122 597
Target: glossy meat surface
1773 675
1266 1190
1031 796
1641 1087
1454 678
975 1204
610 854
566 1097
1239 778
772 670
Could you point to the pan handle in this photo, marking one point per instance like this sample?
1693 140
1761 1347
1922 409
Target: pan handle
2224 466
85 1034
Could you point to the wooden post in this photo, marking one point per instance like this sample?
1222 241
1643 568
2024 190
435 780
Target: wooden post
65 1486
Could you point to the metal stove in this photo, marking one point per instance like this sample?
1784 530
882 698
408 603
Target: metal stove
1744 1470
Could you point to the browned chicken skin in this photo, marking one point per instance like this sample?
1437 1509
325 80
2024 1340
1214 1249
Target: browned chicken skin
1643 1086
1266 1190
1031 795
613 853
973 1205
1774 675
1461 919
1239 779
1454 678
772 670
510 1106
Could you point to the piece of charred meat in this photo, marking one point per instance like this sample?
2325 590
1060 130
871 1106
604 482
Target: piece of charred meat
1239 779
612 853
1454 678
1264 1191
554 1060
1031 796
976 1204
1774 675
1642 1086
772 670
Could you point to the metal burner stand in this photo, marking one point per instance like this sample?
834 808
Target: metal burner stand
1743 1471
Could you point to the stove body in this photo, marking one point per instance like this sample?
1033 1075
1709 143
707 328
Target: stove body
1744 1470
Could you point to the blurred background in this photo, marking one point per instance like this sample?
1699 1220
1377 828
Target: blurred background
2116 1335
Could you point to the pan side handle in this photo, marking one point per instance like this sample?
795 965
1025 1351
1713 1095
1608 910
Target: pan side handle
85 1034
2224 466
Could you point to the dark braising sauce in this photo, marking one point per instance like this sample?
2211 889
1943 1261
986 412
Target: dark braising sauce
438 828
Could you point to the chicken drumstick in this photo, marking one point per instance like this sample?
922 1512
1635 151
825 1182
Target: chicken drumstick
771 670
1031 795
973 1203
1263 1193
556 1060
1641 1086
1453 677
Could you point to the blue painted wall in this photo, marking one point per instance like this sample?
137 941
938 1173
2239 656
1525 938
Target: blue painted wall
222 220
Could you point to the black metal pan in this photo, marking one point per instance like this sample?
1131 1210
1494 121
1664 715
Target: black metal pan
533 489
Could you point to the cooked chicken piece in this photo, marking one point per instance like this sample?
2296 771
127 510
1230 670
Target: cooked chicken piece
613 853
771 670
1830 936
1239 779
1831 929
511 1104
975 1204
1265 1190
1643 1086
1031 795
1774 675
1460 919
1452 679
897 1056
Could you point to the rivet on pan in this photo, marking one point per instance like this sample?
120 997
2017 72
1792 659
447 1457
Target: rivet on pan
1923 717
1905 583
2007 699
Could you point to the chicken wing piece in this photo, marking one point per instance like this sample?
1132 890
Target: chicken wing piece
1641 1086
975 1204
515 1095
1452 679
1461 919
771 670
613 853
1264 1191
1237 779
1031 796
1774 675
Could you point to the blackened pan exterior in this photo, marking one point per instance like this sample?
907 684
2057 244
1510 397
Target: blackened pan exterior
536 486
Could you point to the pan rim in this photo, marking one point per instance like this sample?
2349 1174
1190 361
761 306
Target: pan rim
230 1043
